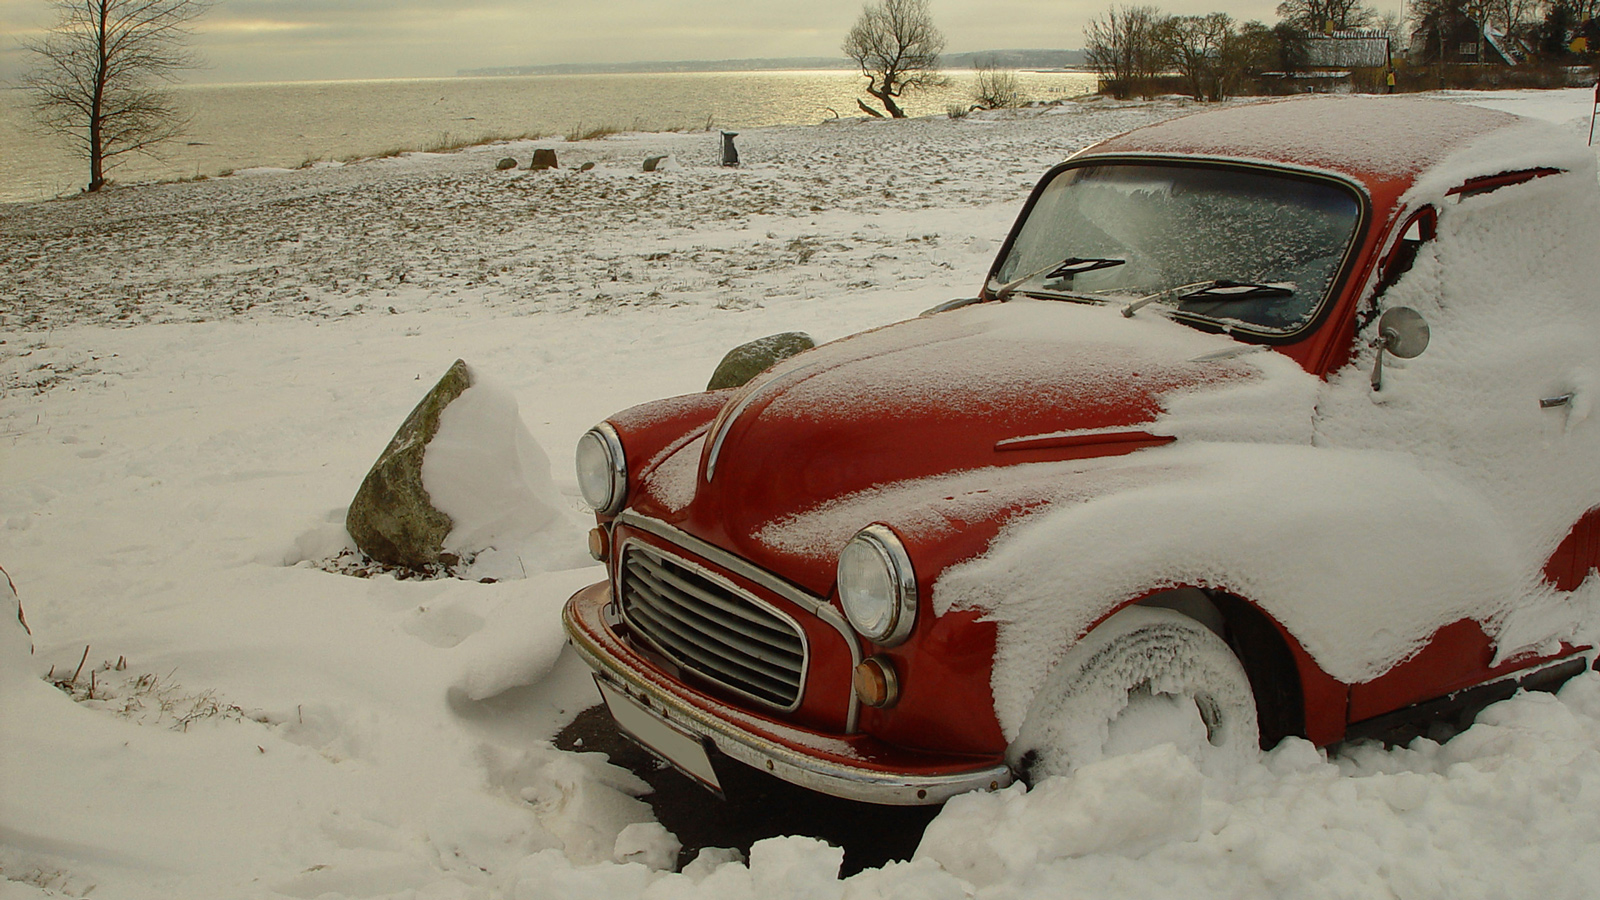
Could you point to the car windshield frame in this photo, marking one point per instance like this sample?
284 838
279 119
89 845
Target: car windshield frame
1029 282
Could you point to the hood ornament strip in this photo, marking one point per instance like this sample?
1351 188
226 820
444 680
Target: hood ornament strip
1083 438
726 423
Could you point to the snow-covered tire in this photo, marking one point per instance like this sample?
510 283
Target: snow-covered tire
1145 677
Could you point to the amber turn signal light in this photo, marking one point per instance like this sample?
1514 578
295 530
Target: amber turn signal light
876 683
599 544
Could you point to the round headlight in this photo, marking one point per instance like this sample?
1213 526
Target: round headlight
602 469
877 586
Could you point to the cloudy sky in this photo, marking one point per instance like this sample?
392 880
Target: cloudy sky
296 40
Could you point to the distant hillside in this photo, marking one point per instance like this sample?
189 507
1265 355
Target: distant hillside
1006 59
1016 59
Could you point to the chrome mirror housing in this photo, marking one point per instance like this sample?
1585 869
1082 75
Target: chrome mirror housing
1403 332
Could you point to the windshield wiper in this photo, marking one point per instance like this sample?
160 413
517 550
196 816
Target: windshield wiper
1223 290
1216 290
1077 265
1066 268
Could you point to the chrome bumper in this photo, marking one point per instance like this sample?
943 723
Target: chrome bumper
808 759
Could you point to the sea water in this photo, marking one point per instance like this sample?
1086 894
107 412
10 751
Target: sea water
290 124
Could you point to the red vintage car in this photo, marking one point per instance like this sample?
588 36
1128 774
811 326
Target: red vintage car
1268 421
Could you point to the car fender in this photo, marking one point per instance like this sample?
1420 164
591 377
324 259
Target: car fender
1359 556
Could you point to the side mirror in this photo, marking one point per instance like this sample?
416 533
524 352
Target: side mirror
1402 332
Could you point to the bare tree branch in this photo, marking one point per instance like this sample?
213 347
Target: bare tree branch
98 74
1318 16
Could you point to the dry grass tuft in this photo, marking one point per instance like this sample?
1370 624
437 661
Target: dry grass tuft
146 699
592 134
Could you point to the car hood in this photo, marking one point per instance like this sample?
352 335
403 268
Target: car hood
996 384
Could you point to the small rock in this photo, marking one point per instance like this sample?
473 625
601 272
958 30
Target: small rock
586 167
391 518
651 163
746 361
544 158
504 164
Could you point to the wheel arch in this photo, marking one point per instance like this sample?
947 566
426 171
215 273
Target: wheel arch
1294 697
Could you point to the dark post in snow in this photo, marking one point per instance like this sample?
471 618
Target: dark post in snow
730 153
1592 111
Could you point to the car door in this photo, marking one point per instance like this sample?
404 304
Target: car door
1495 412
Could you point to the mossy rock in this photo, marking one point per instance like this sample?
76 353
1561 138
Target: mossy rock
746 361
392 518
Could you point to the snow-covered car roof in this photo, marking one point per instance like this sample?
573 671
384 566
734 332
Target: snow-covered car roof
1387 143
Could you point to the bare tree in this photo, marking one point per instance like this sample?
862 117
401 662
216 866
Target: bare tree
897 47
1201 48
1427 12
98 81
1317 16
1124 46
1512 17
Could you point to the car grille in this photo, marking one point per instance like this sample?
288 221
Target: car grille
712 629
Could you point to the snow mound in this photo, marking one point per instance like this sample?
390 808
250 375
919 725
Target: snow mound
486 472
1125 805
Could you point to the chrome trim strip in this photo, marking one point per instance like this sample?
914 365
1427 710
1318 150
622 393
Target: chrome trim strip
617 467
1112 432
892 553
766 580
720 557
732 416
825 776
678 655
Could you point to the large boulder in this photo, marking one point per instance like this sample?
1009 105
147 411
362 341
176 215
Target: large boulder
392 518
746 361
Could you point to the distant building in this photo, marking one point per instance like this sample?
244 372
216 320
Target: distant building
1347 50
1458 39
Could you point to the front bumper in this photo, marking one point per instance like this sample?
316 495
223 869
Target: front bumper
855 767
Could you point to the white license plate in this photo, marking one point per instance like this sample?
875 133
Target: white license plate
673 744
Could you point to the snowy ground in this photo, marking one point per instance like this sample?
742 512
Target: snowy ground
260 727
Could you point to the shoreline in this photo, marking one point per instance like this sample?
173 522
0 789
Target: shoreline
418 231
287 124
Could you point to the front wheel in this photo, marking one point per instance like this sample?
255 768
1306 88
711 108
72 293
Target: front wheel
1145 677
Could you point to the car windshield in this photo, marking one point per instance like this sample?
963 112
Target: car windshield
1230 245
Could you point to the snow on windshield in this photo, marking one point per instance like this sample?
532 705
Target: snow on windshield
1152 228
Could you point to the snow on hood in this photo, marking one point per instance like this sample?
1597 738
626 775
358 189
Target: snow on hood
955 385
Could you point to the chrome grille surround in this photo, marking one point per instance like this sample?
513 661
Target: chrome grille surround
705 624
